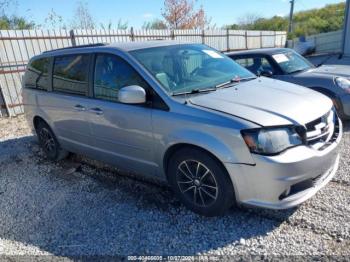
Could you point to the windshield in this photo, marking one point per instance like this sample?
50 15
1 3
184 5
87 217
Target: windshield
292 62
192 67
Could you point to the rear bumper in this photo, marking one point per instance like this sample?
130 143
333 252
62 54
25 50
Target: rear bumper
286 180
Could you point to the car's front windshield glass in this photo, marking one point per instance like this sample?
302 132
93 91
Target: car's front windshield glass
291 62
190 67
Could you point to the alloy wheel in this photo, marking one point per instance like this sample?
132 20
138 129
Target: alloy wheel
47 140
197 183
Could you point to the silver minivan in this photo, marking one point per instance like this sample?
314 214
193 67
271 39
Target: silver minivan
186 114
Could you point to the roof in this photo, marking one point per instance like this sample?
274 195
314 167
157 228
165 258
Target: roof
125 46
130 46
262 51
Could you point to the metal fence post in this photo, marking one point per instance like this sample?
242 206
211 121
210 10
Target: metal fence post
132 35
72 37
315 41
203 36
246 39
228 39
274 44
2 99
261 41
172 34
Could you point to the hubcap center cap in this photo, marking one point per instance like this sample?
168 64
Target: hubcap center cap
197 182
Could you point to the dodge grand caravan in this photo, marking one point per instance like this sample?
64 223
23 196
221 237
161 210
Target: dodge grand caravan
186 114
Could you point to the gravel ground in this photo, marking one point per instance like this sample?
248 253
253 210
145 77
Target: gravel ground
70 209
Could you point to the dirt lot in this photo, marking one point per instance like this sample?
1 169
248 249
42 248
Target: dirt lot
66 210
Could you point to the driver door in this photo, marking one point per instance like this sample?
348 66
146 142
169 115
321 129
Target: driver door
123 132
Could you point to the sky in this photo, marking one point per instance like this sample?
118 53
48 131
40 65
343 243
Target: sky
136 12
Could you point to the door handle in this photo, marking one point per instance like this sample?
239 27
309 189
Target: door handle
79 108
96 110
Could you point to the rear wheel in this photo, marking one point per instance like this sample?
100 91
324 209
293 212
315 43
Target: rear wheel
200 182
49 143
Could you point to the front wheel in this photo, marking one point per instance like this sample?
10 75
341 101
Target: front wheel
200 182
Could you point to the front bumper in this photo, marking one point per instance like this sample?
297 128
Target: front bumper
345 103
285 180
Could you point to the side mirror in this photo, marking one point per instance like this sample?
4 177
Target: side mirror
266 73
132 95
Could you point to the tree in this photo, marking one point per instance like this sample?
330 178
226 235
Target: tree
314 21
8 22
6 4
106 27
54 20
15 23
155 24
181 14
83 19
248 21
122 25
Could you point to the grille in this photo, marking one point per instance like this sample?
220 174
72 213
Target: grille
319 133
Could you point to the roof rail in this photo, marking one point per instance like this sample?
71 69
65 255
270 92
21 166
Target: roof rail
77 46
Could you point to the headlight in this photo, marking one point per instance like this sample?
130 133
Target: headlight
271 141
343 83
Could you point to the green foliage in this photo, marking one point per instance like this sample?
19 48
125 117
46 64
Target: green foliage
14 22
8 22
122 25
155 24
314 21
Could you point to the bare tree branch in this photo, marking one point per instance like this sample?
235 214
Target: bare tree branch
83 19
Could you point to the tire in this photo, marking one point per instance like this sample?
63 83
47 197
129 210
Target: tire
49 142
200 182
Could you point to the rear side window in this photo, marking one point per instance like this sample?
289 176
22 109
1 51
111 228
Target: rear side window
70 74
111 74
245 62
37 74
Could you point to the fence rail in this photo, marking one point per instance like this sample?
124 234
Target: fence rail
18 46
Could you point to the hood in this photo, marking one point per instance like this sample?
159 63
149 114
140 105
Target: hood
331 70
267 102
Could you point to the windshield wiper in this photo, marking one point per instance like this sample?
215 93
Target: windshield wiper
234 80
194 91
223 85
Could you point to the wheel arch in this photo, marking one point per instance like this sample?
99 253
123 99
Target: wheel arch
323 90
332 95
176 147
37 119
179 146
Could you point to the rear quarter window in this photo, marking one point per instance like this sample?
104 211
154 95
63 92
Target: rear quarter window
37 76
255 64
70 74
